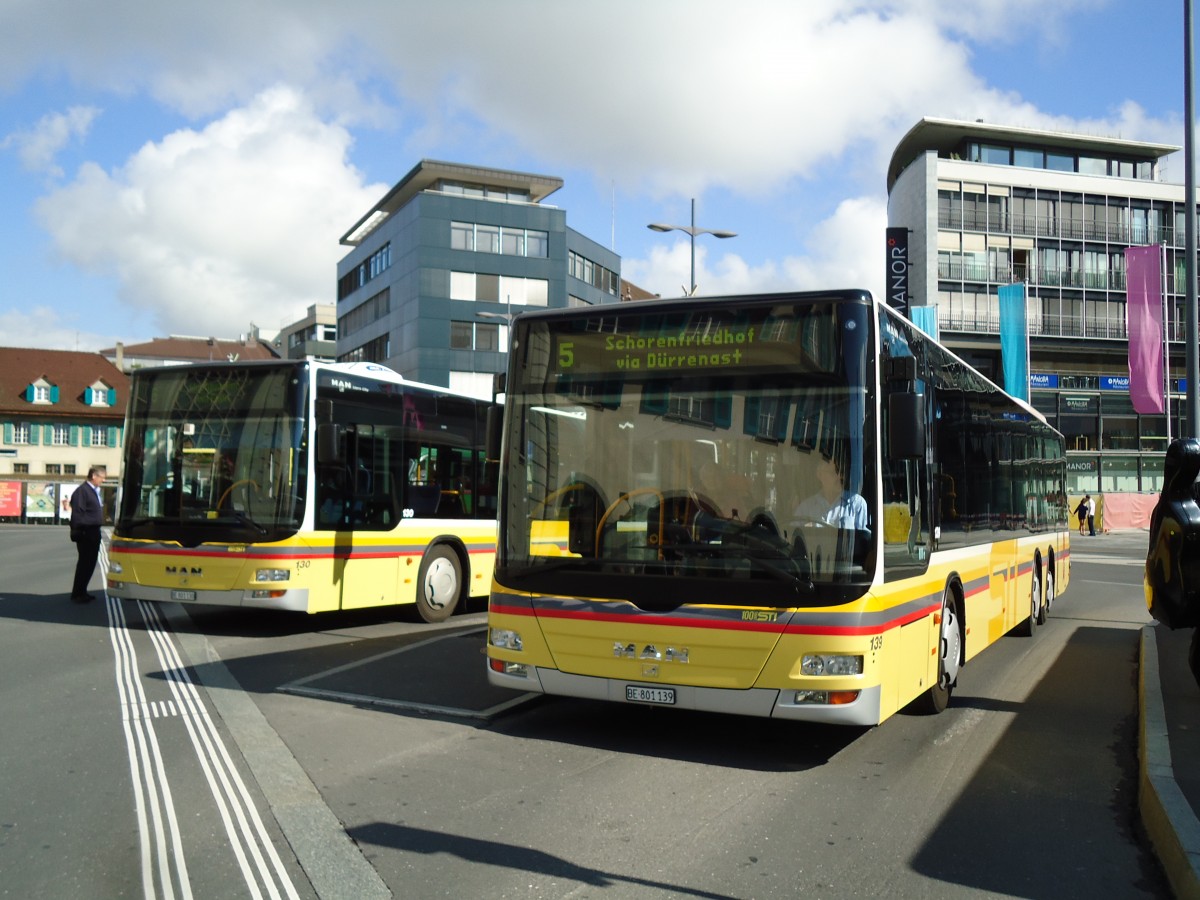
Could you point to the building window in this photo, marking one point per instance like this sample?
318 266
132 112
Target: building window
460 336
1060 162
485 336
53 469
374 265
377 350
370 310
499 289
512 242
62 436
378 261
99 436
462 236
995 154
1027 158
487 287
487 238
99 396
495 239
20 468
592 273
20 434
462 285
41 393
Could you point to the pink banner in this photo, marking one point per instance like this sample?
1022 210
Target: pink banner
1143 292
10 498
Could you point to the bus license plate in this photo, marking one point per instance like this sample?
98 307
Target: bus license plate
639 694
183 595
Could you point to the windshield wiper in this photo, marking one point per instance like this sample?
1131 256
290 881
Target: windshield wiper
246 520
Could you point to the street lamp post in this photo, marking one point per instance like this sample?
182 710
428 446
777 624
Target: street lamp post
692 231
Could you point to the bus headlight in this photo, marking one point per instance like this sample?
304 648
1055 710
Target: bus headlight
830 664
505 639
272 575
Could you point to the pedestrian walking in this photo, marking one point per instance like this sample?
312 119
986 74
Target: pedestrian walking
1091 509
1081 512
87 515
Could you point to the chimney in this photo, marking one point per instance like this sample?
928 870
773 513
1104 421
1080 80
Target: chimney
120 354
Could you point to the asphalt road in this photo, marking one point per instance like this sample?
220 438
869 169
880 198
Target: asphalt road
155 751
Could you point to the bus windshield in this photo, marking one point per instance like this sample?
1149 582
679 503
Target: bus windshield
215 453
704 443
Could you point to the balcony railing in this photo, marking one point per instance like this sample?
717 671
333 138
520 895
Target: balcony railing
983 273
1040 325
1127 234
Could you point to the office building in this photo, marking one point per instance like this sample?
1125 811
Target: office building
440 265
989 205
312 337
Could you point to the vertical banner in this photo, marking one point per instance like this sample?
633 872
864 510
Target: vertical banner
897 269
1014 340
925 318
1143 293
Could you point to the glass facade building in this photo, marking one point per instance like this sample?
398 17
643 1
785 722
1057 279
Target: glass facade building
439 266
988 206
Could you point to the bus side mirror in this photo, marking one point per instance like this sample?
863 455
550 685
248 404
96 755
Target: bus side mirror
495 432
329 444
906 425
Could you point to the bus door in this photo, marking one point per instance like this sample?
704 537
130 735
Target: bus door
368 546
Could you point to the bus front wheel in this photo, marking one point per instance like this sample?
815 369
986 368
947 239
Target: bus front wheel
439 583
949 652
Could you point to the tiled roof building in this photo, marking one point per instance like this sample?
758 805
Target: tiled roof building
61 412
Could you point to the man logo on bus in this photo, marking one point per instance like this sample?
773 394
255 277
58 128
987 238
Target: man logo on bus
649 651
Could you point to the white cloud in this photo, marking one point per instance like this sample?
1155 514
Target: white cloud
38 146
845 250
673 96
47 328
209 230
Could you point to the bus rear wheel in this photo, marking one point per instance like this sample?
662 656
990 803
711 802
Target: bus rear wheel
1047 596
439 583
937 698
1037 613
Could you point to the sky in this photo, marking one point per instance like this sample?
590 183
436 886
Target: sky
184 168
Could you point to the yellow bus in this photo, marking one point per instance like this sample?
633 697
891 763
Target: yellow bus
793 505
303 486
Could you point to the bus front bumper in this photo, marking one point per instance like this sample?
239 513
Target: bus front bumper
295 600
761 702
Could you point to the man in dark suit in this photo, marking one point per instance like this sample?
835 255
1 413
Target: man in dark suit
87 515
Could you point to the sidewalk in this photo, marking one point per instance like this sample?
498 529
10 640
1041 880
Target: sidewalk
1169 794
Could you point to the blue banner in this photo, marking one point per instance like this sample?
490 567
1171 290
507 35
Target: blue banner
925 318
1014 340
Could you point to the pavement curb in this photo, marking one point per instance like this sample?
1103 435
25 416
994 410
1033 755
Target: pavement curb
333 863
1168 818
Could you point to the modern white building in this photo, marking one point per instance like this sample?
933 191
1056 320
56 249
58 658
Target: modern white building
988 205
